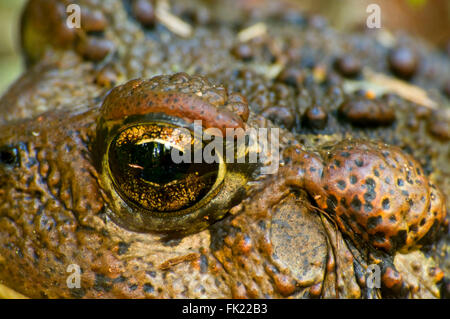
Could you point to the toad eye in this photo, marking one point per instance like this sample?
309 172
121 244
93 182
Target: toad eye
164 155
145 170
154 182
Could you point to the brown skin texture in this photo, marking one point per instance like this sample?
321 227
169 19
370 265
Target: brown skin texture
270 237
377 193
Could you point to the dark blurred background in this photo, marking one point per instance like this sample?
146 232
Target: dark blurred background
429 19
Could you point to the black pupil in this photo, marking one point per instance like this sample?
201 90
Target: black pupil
155 175
154 162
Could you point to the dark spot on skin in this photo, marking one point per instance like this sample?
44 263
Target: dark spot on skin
133 287
376 172
400 182
102 283
312 169
405 193
410 202
359 162
262 225
356 204
368 207
393 219
337 163
353 179
148 288
386 204
373 222
408 178
378 237
35 257
399 239
345 154
418 171
171 242
20 254
414 228
341 184
123 248
119 279
203 264
77 292
423 221
370 183
369 196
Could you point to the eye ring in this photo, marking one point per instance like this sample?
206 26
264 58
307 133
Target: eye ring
227 190
155 183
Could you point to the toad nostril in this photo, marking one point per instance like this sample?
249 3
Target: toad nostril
9 155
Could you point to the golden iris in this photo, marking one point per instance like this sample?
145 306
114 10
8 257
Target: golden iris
145 173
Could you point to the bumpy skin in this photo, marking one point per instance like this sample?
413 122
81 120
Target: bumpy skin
290 234
376 192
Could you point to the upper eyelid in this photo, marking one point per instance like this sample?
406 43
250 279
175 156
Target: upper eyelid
120 104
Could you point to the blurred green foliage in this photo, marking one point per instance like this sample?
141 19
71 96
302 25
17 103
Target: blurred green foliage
10 62
417 3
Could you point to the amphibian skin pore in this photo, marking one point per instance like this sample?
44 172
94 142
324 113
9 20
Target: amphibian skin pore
87 179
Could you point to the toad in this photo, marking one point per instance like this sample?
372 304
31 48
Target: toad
88 186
